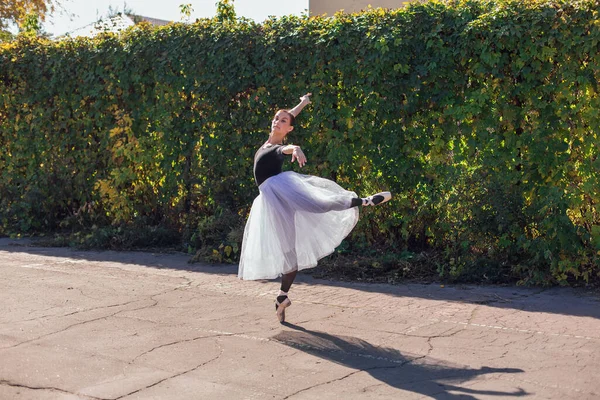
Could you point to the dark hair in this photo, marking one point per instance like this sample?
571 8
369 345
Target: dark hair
292 118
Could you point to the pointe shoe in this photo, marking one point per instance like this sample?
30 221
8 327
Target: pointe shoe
280 309
376 199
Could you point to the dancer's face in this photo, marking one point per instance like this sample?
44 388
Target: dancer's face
282 123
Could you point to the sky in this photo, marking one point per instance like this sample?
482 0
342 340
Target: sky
74 14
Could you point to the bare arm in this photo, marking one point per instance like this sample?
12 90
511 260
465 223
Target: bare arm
304 101
296 152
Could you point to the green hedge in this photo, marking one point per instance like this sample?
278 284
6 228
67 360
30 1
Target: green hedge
480 116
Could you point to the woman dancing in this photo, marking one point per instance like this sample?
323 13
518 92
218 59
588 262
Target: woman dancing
296 219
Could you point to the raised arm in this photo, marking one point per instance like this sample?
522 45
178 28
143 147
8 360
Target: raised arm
294 150
304 101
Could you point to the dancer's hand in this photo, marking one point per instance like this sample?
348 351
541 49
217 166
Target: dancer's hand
298 155
304 101
306 98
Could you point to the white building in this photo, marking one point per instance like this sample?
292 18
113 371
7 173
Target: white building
330 7
117 23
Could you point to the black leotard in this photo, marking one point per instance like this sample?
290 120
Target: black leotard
268 162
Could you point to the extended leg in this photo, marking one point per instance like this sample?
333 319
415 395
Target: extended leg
378 198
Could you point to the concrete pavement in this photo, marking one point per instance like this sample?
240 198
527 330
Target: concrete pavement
132 325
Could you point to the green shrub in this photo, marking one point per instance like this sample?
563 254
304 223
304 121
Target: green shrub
479 115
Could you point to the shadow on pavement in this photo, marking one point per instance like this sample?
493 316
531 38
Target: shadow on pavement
581 302
422 375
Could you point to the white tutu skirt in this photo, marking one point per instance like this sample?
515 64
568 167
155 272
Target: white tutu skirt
295 221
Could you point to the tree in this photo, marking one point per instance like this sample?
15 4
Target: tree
31 25
5 36
186 11
225 11
18 11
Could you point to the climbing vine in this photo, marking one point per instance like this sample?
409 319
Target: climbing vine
479 115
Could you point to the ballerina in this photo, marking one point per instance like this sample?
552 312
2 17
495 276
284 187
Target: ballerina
296 219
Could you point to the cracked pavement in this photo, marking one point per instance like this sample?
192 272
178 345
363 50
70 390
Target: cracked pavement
136 325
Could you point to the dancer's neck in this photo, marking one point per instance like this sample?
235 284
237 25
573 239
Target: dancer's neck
275 139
